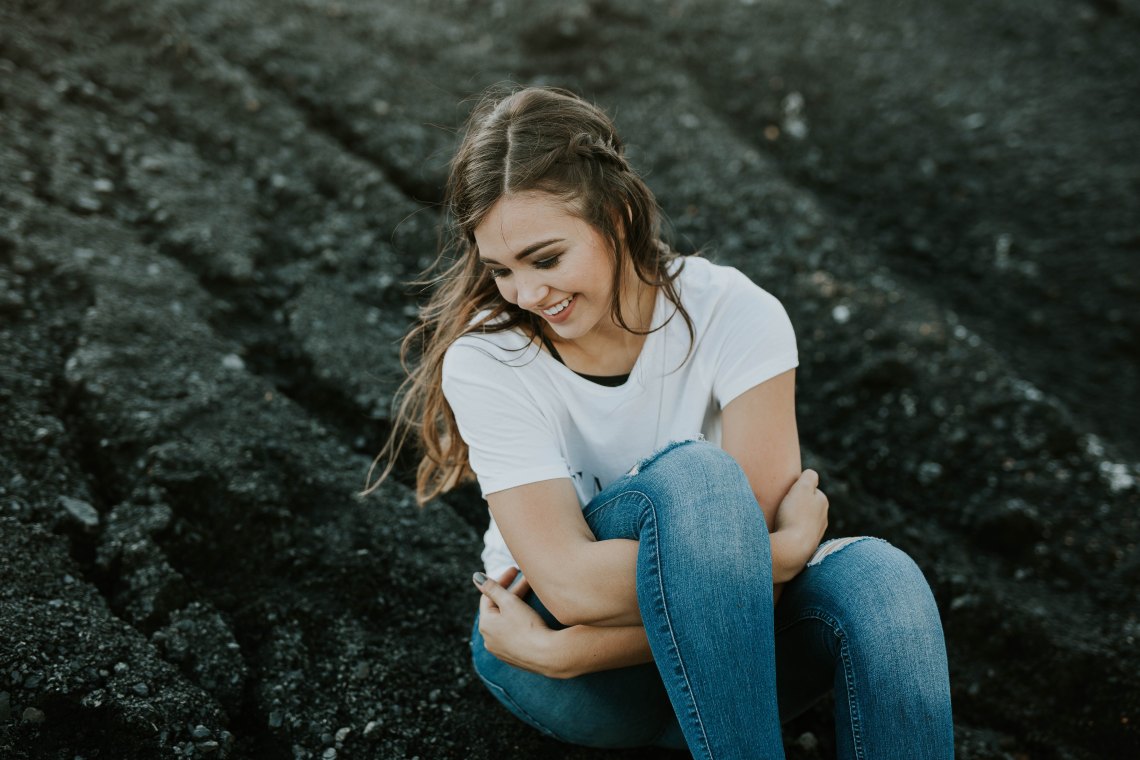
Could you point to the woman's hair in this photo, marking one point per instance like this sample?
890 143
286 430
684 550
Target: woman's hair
534 139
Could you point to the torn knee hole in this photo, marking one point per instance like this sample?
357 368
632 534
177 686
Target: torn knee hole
827 548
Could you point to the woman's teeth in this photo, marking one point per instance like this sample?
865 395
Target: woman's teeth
557 307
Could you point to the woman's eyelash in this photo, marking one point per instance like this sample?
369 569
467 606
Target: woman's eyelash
548 263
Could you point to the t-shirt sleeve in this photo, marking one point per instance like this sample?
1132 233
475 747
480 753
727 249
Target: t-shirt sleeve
510 441
754 339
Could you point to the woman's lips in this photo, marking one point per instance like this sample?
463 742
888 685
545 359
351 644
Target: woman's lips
563 315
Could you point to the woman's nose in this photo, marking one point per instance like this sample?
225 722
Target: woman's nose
532 293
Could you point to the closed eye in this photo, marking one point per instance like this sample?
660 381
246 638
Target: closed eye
548 263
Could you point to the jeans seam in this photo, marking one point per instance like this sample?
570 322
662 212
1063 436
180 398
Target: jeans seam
672 636
848 672
607 502
652 511
501 694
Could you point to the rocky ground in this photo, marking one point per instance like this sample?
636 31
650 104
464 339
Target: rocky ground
209 210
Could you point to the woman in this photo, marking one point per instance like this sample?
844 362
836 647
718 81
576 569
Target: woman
574 363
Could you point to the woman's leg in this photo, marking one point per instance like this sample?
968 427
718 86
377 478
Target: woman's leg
704 587
626 707
860 618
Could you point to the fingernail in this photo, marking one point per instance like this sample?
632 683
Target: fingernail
479 578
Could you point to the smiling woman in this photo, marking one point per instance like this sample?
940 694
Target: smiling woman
566 277
663 589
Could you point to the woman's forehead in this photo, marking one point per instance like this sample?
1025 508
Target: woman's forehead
518 221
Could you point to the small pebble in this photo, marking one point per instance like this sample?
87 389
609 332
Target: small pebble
928 472
329 754
371 728
79 511
233 361
88 203
141 689
33 715
974 121
200 733
807 742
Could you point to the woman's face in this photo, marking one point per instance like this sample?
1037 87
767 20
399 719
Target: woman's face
549 262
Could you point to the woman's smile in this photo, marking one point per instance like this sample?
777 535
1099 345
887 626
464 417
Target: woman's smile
560 312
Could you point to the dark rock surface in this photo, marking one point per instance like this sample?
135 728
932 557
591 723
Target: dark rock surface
208 210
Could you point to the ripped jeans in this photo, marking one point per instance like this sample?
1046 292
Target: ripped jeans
859 620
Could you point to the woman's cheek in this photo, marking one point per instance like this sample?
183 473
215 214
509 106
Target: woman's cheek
507 291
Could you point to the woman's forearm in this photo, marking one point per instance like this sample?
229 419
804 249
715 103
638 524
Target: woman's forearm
583 649
604 592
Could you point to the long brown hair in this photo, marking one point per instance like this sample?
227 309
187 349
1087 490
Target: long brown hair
516 140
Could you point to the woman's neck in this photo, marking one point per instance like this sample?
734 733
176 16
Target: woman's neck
612 350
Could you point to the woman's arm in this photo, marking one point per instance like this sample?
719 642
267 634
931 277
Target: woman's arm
581 581
514 633
759 431
586 649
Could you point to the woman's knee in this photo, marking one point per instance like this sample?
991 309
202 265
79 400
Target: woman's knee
695 471
875 584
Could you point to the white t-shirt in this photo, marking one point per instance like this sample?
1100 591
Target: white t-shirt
526 417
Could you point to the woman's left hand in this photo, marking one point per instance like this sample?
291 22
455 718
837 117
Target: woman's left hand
511 630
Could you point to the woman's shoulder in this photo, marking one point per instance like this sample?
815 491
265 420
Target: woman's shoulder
487 349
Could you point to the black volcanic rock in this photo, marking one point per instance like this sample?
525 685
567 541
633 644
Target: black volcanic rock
209 215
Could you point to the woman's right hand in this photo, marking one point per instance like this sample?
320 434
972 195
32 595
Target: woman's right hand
511 629
803 513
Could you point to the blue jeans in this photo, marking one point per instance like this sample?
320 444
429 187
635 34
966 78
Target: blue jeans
859 619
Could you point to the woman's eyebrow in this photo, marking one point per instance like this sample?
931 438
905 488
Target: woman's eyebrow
532 248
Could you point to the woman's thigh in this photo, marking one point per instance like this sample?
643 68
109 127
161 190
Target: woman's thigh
625 707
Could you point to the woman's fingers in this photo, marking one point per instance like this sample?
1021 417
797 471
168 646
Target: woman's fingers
508 575
514 575
810 478
494 591
522 588
486 607
804 508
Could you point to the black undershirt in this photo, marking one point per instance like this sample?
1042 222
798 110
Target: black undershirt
609 380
